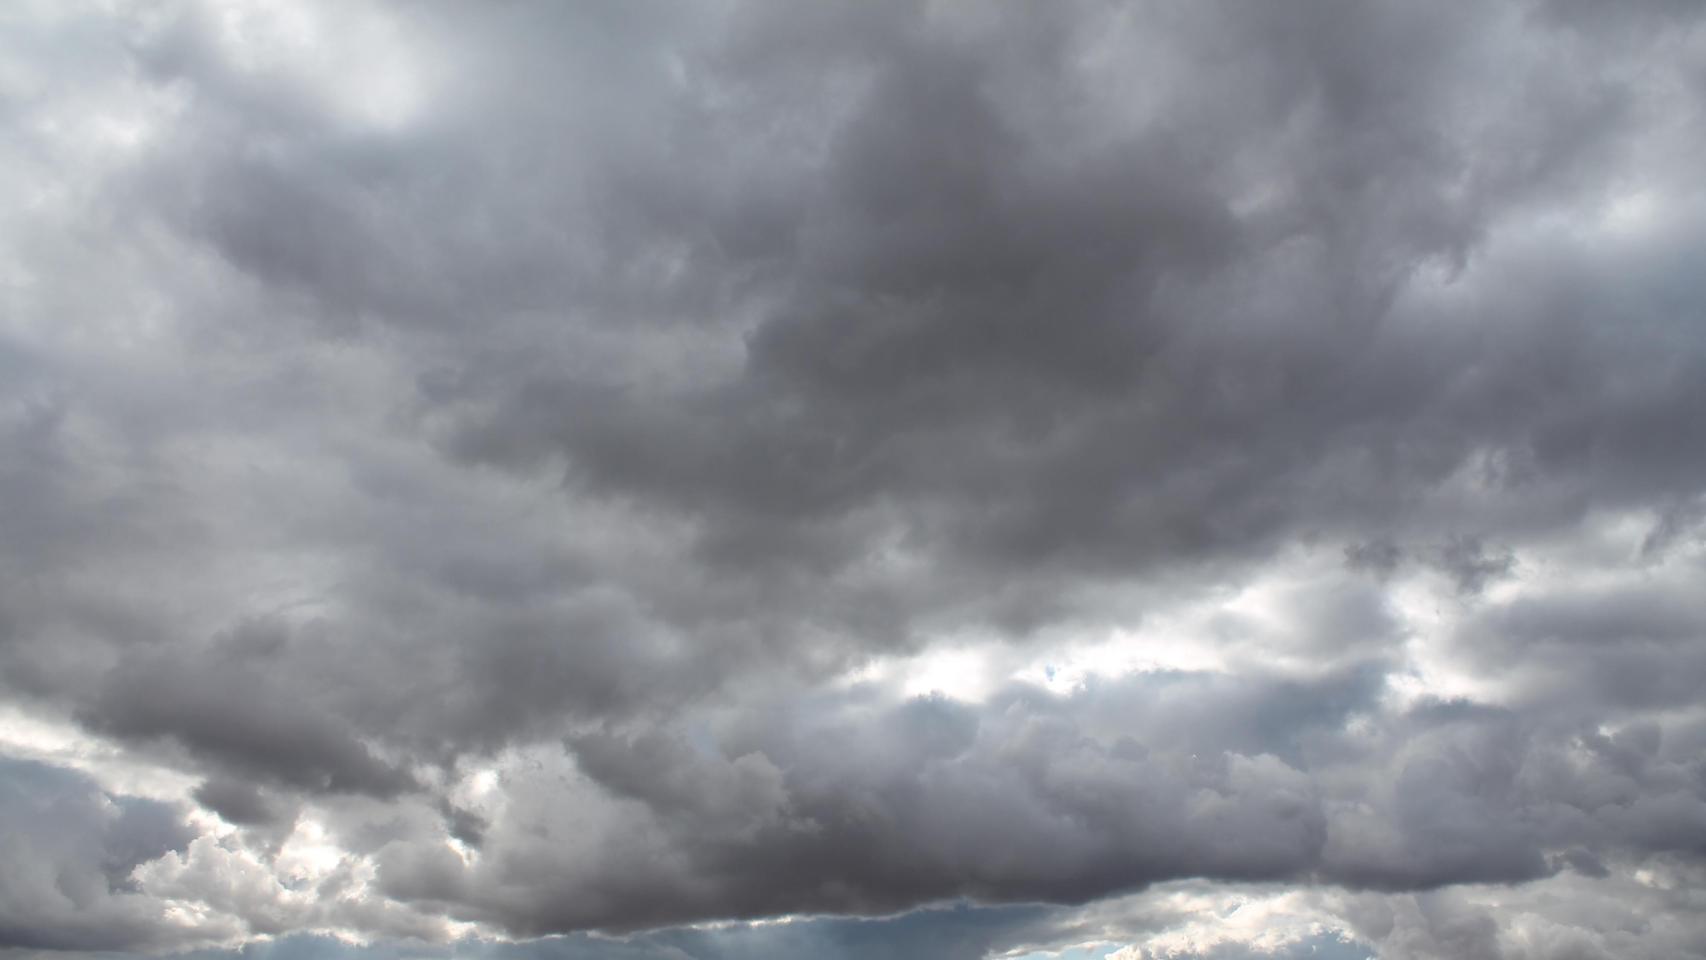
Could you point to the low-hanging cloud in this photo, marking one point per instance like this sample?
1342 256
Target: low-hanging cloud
977 476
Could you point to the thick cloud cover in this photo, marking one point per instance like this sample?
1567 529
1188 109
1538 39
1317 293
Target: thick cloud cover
1135 478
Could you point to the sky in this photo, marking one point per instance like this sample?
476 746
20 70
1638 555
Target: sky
1087 479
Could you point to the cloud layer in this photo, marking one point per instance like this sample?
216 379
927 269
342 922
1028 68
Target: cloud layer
1169 480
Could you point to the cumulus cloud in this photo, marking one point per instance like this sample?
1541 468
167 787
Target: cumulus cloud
903 478
70 850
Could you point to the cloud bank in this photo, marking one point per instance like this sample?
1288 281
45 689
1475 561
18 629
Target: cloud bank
627 481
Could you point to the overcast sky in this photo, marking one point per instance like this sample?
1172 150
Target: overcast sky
925 480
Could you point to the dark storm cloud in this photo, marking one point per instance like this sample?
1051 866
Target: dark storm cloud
497 440
1024 344
233 719
238 802
861 807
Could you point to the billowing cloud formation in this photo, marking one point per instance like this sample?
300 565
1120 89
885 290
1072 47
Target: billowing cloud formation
1081 475
70 849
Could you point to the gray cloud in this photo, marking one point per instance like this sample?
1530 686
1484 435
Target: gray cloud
70 850
529 469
